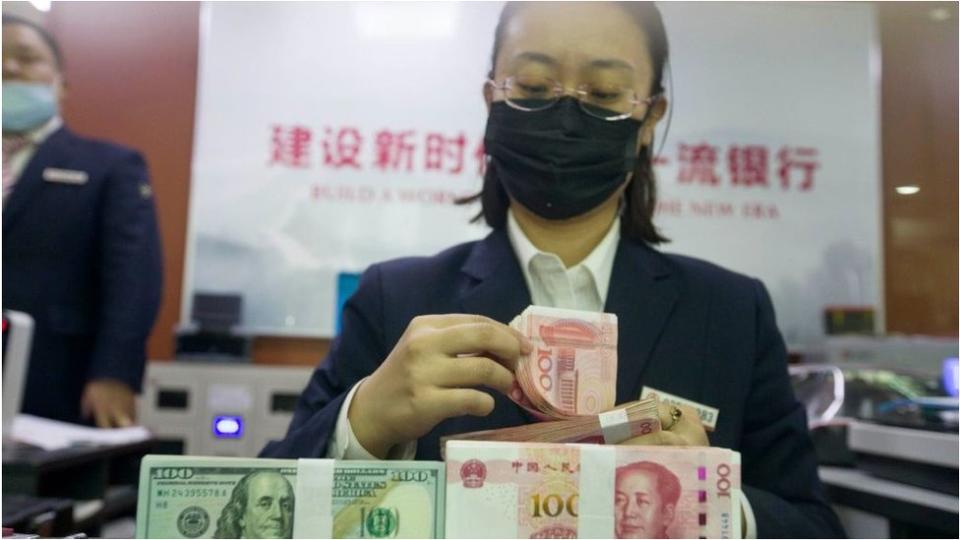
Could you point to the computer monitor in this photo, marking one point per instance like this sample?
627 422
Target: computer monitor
17 339
217 312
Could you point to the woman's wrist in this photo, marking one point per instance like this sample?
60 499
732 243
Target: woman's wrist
373 438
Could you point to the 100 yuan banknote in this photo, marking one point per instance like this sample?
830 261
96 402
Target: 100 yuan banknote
534 490
572 370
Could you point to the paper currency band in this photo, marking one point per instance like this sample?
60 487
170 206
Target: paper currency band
313 507
615 426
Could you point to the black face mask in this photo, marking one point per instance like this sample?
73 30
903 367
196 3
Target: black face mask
559 162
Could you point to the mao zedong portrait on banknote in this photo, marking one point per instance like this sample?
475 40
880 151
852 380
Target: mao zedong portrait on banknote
261 506
645 500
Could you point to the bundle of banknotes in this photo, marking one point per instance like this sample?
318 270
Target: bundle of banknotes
218 497
572 370
526 490
610 427
569 382
484 490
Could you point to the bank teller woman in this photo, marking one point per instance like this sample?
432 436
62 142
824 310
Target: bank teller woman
574 94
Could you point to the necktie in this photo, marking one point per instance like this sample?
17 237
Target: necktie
11 145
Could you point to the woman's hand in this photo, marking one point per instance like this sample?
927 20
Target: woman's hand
687 430
431 375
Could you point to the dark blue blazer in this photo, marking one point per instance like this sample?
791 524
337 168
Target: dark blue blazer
686 327
84 260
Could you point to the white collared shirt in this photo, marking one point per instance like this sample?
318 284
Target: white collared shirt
583 287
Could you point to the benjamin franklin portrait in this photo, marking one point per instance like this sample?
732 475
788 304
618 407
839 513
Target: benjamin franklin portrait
261 506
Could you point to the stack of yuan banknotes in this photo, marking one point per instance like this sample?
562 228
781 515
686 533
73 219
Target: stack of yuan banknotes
528 490
569 381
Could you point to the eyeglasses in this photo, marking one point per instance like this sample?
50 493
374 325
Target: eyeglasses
606 102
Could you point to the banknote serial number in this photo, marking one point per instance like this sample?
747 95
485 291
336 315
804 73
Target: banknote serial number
726 525
192 492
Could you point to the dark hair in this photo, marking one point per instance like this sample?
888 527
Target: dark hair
640 196
668 486
44 34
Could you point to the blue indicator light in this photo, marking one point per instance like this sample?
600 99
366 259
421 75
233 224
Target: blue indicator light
228 427
951 374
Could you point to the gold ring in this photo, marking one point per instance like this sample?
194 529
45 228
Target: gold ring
675 414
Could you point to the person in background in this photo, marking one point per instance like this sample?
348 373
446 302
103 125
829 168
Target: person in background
81 249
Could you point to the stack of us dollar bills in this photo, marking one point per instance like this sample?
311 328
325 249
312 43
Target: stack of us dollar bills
214 497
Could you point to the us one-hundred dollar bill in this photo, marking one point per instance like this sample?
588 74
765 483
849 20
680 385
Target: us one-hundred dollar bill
212 497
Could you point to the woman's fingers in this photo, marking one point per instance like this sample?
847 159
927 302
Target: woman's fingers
657 438
455 319
472 371
493 338
684 430
463 401
690 427
449 319
665 413
687 416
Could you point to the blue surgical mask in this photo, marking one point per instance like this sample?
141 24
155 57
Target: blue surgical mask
27 105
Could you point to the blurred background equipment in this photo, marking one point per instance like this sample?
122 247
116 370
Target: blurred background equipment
883 413
17 340
919 354
821 388
849 320
206 409
210 336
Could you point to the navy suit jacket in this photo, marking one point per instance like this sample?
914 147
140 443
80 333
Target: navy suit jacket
685 327
84 260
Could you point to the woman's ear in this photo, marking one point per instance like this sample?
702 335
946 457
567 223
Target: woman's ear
488 95
657 111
